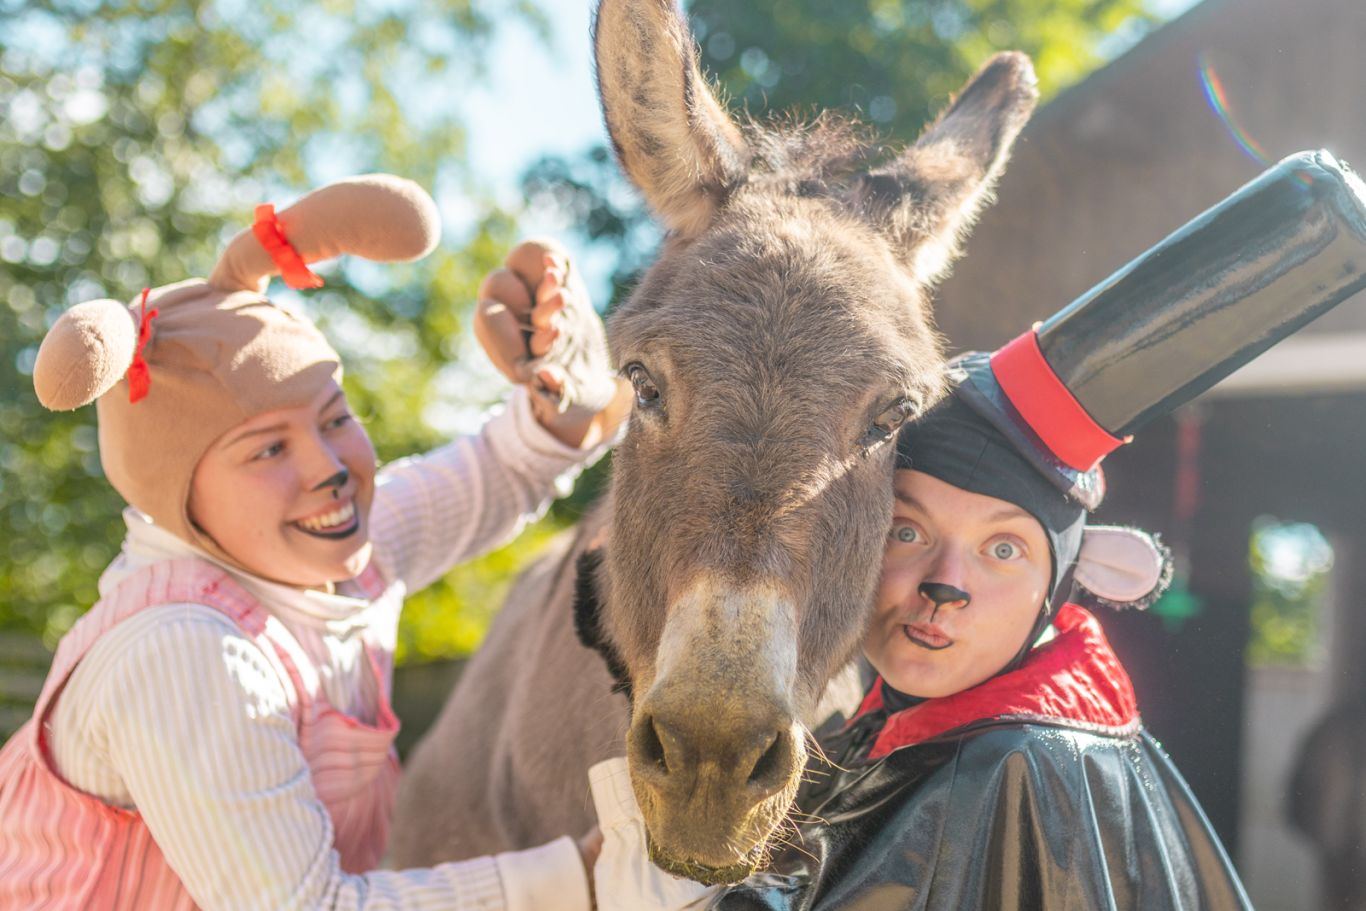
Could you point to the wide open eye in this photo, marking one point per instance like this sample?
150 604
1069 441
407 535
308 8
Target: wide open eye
906 534
887 423
1006 550
647 393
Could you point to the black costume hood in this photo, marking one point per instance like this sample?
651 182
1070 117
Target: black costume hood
1282 250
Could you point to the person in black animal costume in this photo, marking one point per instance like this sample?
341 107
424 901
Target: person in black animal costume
999 760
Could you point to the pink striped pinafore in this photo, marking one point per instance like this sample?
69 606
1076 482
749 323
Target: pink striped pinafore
63 849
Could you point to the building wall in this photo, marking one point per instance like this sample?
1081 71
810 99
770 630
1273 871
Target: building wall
1279 866
1116 163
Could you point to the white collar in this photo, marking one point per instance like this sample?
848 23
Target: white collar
147 543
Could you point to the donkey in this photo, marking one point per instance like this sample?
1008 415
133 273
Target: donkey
775 347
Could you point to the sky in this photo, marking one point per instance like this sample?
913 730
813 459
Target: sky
539 101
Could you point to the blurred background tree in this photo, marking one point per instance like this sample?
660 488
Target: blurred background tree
1291 564
136 136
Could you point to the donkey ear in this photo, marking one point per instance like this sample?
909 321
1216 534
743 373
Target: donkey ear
672 137
927 199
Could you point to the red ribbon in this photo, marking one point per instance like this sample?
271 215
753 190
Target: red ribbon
1048 406
139 376
272 238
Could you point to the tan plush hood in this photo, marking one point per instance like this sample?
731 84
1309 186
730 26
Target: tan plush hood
218 352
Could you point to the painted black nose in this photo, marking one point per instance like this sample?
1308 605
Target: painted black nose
942 594
336 482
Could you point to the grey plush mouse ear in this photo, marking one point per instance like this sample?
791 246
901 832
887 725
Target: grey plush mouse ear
1121 567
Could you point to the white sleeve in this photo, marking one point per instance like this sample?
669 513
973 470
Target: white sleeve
623 877
471 495
197 723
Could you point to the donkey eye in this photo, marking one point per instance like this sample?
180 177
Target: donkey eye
647 393
887 423
890 420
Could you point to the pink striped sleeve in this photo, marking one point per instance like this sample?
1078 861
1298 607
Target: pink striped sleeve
471 495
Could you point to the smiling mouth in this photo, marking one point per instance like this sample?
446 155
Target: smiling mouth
927 637
332 526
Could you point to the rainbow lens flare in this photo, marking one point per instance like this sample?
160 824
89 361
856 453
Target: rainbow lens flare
1217 96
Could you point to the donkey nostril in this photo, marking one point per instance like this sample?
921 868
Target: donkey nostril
770 763
651 747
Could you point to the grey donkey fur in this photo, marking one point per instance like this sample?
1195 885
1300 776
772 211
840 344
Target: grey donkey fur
776 344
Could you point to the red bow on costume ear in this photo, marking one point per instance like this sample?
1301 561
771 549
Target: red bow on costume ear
139 376
272 238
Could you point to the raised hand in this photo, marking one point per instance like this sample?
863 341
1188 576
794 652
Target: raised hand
538 327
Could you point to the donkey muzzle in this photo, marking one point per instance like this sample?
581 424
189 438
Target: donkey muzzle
715 747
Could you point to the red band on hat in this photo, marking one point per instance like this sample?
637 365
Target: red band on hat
139 374
272 237
1048 407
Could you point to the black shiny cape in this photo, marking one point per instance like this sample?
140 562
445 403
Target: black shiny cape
1006 816
1063 803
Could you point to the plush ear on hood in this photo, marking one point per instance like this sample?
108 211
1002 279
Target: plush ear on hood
1121 567
377 216
85 353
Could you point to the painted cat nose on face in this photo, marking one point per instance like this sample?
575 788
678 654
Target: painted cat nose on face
336 481
941 594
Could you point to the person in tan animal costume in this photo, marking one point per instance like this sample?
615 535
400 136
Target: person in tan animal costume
216 731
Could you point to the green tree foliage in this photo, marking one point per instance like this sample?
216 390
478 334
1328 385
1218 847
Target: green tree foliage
896 61
134 139
1291 563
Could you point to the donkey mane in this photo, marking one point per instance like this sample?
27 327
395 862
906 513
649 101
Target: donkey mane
818 156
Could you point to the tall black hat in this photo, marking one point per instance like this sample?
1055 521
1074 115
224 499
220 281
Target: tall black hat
1280 251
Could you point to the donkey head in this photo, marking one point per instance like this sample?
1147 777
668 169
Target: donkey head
775 347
